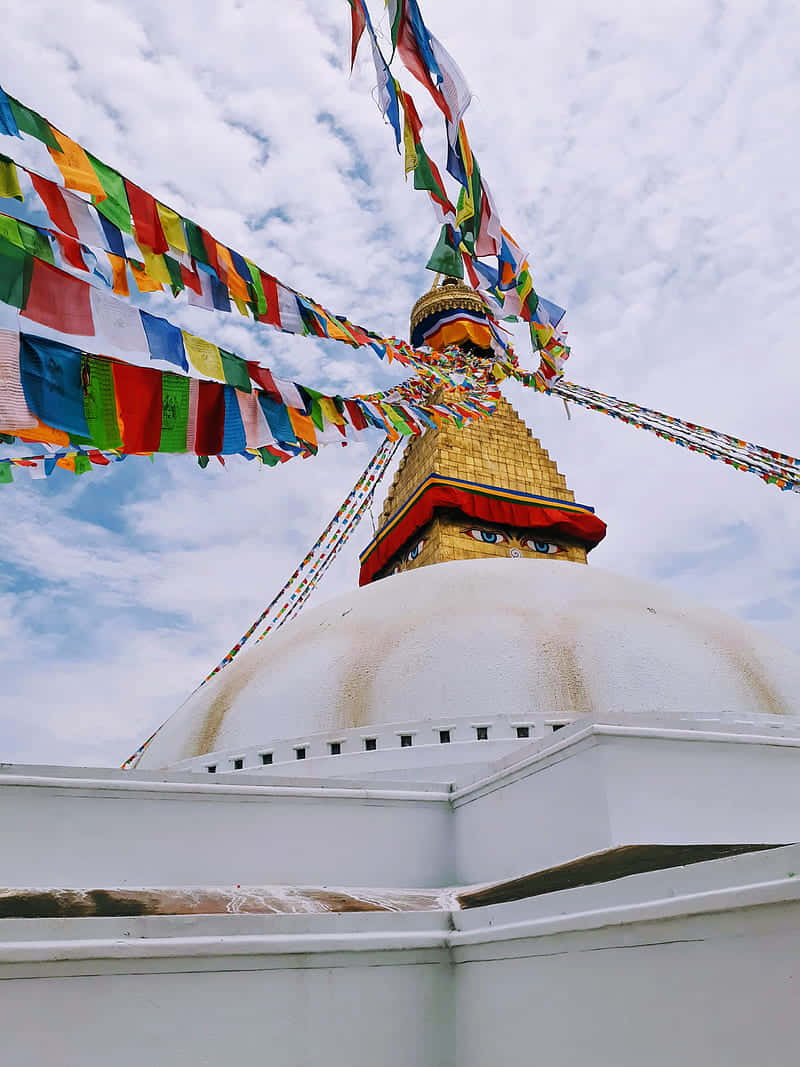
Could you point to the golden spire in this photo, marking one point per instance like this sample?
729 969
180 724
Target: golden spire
487 489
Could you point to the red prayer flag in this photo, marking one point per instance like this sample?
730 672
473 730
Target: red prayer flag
210 419
262 376
211 249
191 279
71 251
357 21
357 419
138 392
58 300
272 315
146 223
56 206
412 58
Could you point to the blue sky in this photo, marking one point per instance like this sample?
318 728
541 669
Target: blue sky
646 158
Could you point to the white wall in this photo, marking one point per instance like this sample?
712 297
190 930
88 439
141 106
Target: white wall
712 992
339 1016
74 835
533 817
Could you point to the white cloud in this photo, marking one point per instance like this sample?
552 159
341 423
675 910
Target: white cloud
646 158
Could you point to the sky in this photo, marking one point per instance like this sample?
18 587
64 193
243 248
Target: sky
644 155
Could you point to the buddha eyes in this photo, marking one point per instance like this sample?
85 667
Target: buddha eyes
488 537
547 548
409 557
495 537
415 551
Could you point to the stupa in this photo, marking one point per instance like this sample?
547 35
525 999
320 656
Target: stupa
495 799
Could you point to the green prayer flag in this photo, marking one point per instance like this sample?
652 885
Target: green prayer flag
202 461
16 268
423 175
397 420
115 207
235 371
35 242
268 458
258 288
175 278
445 257
82 463
100 403
9 182
9 229
194 240
174 412
6 477
34 125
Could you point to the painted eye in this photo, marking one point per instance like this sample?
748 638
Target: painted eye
546 548
415 551
488 537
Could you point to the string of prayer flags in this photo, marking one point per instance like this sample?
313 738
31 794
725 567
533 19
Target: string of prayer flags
176 253
299 586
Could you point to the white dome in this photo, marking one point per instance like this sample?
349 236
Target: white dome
474 637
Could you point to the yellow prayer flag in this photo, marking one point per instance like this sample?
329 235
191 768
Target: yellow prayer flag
330 411
172 226
337 331
203 356
241 307
412 159
155 266
76 170
9 182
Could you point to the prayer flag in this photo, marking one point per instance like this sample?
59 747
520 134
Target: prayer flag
138 392
9 182
14 411
210 419
144 283
172 225
262 376
71 251
8 124
6 477
445 258
120 280
357 23
233 438
234 371
117 323
112 236
115 206
164 340
34 125
52 197
174 412
277 418
51 379
100 404
146 223
203 356
58 300
256 428
76 170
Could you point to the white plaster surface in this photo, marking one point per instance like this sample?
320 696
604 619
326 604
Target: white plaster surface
527 637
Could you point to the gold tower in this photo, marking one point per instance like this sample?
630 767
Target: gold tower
485 490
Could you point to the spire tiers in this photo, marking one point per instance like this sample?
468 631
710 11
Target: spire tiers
487 489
